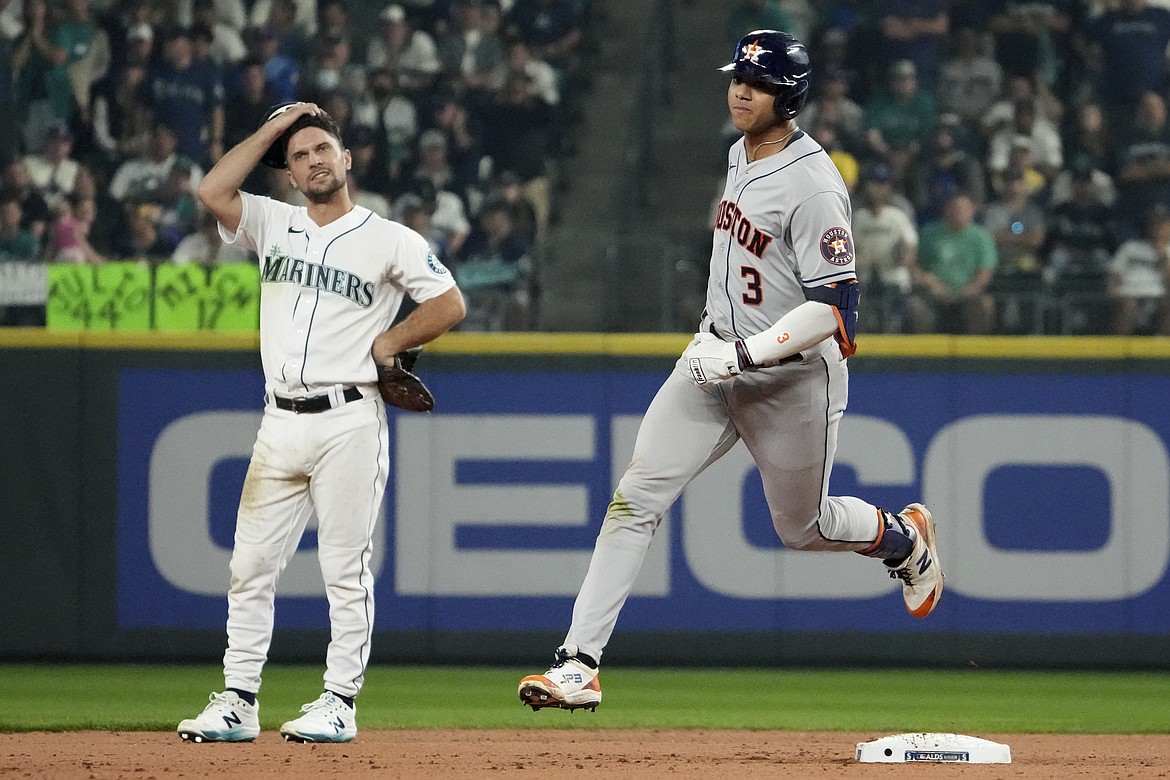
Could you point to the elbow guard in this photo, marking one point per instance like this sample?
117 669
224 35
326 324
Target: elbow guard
844 298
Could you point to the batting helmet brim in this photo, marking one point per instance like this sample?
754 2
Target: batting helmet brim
275 157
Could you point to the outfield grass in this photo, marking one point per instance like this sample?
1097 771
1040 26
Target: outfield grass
150 698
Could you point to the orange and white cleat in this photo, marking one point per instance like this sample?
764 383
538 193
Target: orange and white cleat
921 573
570 684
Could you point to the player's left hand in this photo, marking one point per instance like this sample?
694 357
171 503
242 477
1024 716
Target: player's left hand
710 359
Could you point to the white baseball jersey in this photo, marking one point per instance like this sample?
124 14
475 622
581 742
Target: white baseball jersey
327 292
783 224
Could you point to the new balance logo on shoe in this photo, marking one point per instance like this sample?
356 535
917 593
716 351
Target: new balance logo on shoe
924 562
232 719
338 724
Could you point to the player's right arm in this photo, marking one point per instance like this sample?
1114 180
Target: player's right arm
220 189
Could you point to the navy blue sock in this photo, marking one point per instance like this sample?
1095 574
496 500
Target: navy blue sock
896 542
347 699
247 696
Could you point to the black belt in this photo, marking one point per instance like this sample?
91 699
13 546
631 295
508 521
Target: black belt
312 404
790 359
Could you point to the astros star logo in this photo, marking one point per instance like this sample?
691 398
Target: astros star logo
837 246
753 51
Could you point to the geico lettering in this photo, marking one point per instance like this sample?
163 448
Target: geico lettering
956 466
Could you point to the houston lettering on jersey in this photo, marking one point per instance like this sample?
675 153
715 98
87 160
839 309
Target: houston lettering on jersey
280 268
730 219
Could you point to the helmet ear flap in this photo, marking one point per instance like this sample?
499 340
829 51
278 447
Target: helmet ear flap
791 101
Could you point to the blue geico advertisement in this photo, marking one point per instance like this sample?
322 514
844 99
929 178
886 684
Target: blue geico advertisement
1051 490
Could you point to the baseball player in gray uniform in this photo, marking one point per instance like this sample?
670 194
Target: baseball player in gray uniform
767 366
333 278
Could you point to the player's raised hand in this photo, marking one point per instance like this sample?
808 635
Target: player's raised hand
282 117
710 359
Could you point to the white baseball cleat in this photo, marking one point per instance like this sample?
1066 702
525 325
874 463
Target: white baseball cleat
570 684
226 718
921 573
328 719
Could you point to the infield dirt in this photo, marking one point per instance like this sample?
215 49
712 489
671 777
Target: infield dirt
553 754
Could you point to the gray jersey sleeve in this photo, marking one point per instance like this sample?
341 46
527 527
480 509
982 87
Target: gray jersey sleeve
822 239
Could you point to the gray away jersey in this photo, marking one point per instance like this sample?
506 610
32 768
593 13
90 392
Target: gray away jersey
783 224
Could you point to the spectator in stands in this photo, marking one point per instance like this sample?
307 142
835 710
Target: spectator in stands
749 15
1081 238
540 74
118 124
143 241
142 178
305 15
1142 170
109 215
82 57
292 41
946 168
205 246
1100 183
232 13
552 28
398 121
517 138
35 213
1018 226
1029 36
464 146
914 31
508 188
472 51
956 261
415 213
846 164
970 80
368 164
1129 47
53 171
39 98
1019 229
1089 136
179 211
9 129
495 273
17 245
367 198
888 241
335 21
1020 89
187 97
1137 279
334 70
407 52
226 44
898 123
1041 136
447 213
243 113
280 71
69 235
833 107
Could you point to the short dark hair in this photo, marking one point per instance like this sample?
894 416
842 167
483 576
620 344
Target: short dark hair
321 120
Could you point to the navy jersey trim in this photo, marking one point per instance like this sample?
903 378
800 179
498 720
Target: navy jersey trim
727 259
312 317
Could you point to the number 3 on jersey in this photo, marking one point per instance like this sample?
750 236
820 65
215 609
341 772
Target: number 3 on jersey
755 291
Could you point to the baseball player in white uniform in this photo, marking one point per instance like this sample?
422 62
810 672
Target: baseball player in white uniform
333 278
767 366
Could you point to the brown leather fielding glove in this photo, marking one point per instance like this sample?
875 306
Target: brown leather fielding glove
401 388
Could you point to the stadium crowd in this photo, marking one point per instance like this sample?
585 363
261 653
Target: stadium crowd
455 111
1009 159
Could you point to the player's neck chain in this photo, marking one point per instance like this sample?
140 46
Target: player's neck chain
752 153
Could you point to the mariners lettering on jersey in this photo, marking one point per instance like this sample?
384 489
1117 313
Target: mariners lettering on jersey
837 246
280 268
730 219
